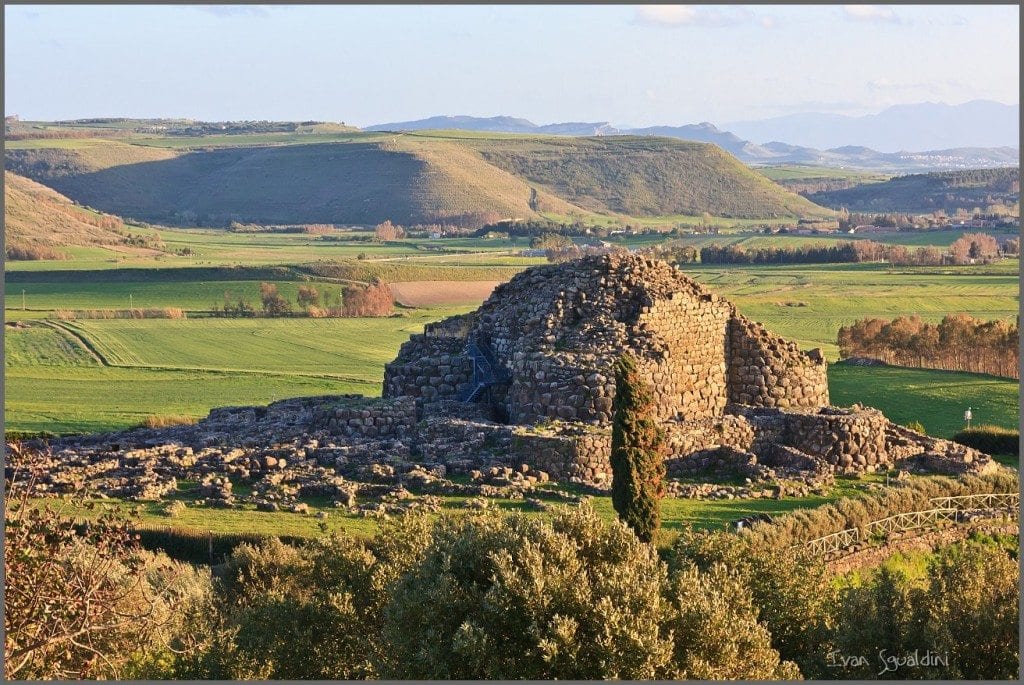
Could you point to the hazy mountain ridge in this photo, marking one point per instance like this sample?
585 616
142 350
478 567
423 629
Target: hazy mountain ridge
840 151
922 126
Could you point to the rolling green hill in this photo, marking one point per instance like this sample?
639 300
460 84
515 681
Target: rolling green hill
410 178
947 190
645 176
35 215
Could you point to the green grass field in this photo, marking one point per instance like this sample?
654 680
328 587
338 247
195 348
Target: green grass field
935 398
809 303
799 172
187 367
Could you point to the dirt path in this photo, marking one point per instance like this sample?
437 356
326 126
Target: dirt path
78 339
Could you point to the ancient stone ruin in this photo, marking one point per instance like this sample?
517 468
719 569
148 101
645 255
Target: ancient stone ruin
520 392
730 394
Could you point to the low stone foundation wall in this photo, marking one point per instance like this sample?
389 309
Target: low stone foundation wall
717 461
563 451
358 417
844 438
566 454
685 437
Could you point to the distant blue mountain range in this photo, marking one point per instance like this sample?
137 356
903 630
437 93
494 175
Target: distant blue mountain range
913 137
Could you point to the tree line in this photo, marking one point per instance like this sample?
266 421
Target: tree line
372 299
967 249
958 343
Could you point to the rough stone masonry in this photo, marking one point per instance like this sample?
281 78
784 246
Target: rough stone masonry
720 380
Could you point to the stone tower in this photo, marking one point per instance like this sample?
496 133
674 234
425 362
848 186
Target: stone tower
543 345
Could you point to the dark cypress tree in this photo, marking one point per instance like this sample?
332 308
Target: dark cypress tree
638 451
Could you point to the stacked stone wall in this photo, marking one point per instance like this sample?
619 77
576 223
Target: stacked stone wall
686 437
562 451
584 455
430 368
565 387
687 371
844 438
359 417
768 371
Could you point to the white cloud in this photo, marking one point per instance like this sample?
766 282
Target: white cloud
698 15
870 13
668 15
233 10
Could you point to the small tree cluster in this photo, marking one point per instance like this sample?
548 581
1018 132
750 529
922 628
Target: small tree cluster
974 246
308 296
958 343
805 254
233 307
274 304
388 231
846 252
375 299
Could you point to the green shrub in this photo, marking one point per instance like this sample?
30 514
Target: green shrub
792 592
990 439
295 613
876 619
917 426
508 597
972 606
715 630
965 611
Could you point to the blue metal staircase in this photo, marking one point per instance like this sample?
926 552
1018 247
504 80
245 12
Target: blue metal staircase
486 371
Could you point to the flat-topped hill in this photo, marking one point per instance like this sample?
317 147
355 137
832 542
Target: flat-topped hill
409 178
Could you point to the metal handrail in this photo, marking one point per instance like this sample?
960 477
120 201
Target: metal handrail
486 370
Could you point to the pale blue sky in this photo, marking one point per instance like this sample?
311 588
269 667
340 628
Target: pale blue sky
629 65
